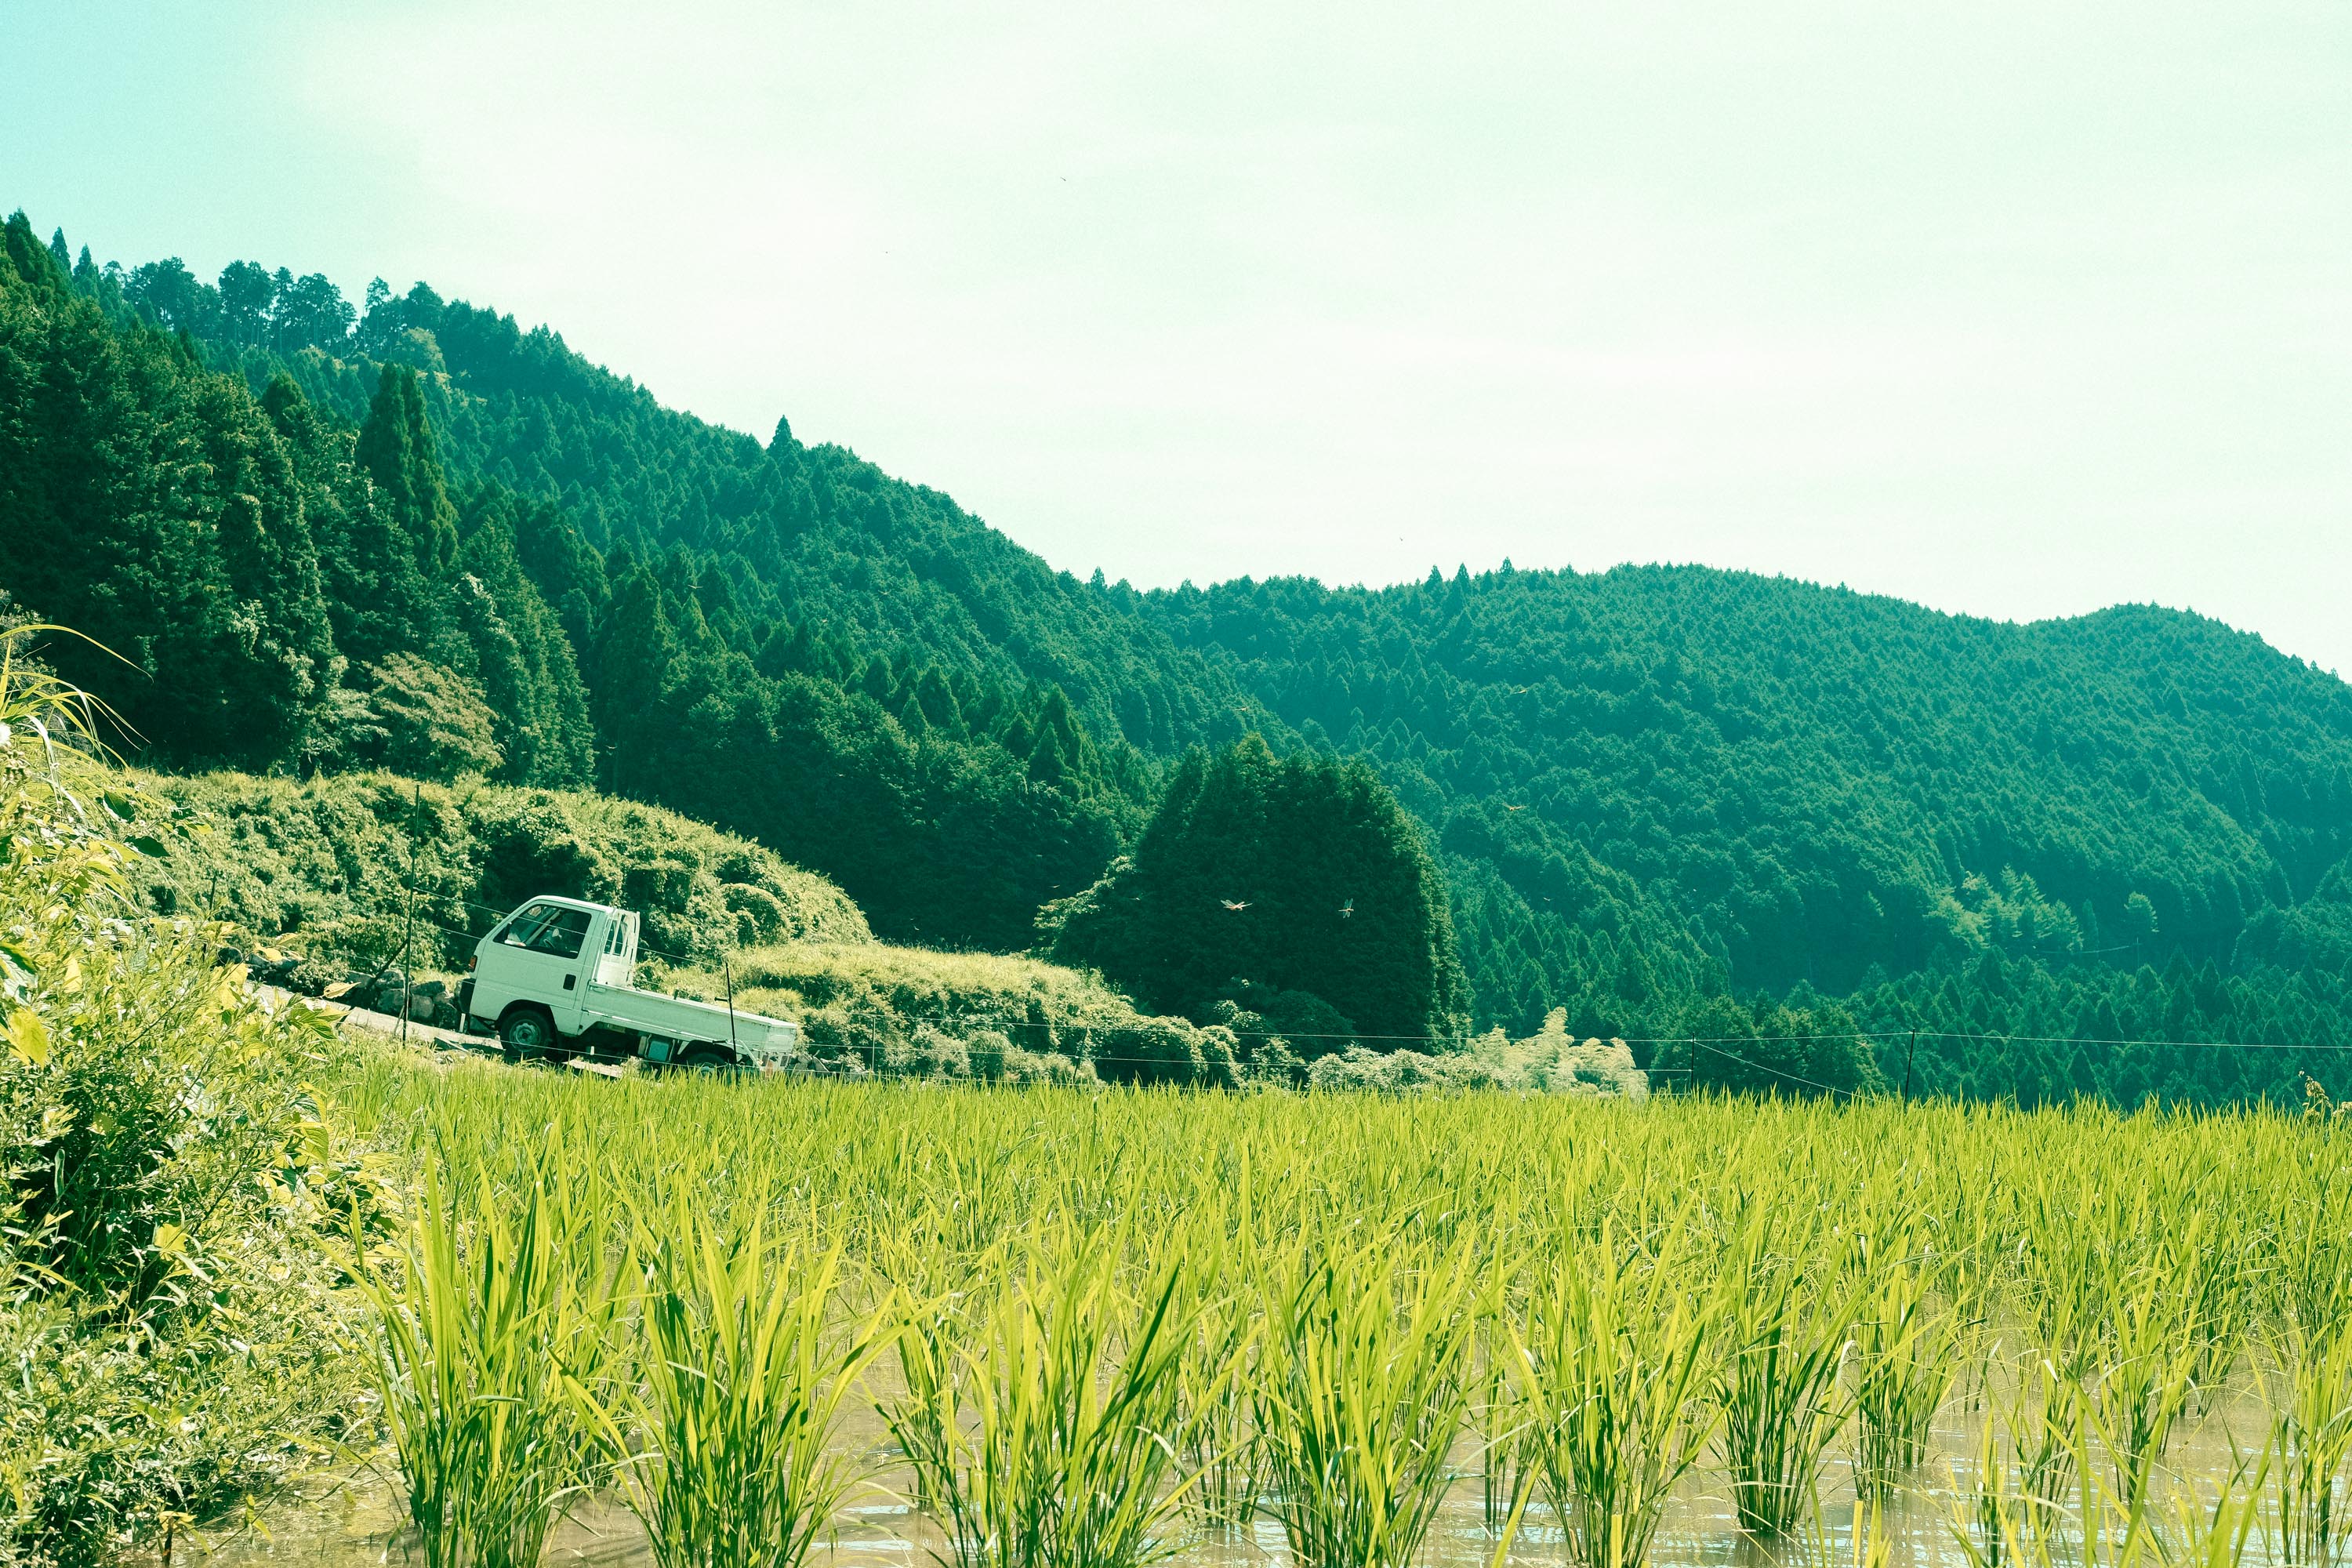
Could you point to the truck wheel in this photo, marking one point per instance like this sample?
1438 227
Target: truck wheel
706 1059
526 1031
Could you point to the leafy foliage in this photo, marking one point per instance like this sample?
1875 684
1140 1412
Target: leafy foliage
167 1181
906 1012
321 869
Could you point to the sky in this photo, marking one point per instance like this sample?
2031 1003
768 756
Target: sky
2013 308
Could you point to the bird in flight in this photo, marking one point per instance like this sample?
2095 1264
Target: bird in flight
1515 808
1232 905
1347 908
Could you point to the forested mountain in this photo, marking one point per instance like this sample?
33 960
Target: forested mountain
1651 789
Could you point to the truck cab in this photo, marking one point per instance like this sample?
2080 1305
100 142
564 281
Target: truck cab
557 978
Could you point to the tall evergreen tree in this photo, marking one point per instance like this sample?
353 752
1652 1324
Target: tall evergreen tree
395 449
1302 874
632 670
528 671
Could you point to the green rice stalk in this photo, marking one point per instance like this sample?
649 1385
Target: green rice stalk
2311 1436
2222 1533
1907 1357
1364 1382
1614 1365
742 1376
482 1365
1499 1418
2049 1428
2148 1374
1050 1443
1220 1440
1778 1382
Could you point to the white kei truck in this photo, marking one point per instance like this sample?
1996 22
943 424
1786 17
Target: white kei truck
555 979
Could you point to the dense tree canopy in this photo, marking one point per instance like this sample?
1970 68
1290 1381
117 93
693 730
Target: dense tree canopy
1300 874
1652 790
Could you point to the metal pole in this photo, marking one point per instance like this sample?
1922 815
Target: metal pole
727 966
408 923
1908 1051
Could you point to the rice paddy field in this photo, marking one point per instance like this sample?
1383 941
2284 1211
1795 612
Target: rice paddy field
695 1321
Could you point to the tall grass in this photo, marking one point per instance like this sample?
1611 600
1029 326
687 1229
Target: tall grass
2311 1434
2310 1393
1049 1442
1999 1521
1580 1304
1788 1322
1906 1358
1221 1443
2147 1377
1501 1419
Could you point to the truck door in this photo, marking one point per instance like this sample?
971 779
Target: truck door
539 957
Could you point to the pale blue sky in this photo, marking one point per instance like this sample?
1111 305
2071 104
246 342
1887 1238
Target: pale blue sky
2014 309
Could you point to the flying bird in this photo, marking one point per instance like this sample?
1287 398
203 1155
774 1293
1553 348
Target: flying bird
1347 908
1515 808
1232 905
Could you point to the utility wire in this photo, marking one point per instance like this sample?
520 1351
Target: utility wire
1716 1045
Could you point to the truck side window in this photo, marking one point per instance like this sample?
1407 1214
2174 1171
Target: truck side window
517 932
548 928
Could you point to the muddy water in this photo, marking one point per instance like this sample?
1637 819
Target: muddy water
353 1520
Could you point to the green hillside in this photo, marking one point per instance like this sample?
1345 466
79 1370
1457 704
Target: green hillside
321 869
1650 789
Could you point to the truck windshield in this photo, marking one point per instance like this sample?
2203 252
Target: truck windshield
548 928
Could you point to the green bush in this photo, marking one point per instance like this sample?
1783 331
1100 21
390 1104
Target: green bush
169 1188
878 1008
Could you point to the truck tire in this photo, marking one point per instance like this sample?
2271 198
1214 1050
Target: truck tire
526 1030
706 1059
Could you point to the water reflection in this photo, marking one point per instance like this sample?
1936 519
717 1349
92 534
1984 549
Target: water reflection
354 1520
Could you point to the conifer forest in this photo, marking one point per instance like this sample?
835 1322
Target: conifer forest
2103 856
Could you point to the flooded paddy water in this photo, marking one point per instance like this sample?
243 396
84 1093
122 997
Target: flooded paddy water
353 1519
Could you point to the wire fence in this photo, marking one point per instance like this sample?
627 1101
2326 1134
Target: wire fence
1088 1036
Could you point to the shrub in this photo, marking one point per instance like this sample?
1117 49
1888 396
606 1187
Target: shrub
167 1308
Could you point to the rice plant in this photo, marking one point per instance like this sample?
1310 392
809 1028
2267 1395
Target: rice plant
1500 1419
1988 1523
2148 1372
1615 1368
1372 1301
490 1349
1049 1441
1363 1383
2049 1429
1787 1328
2311 1436
741 1377
1906 1360
1220 1440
